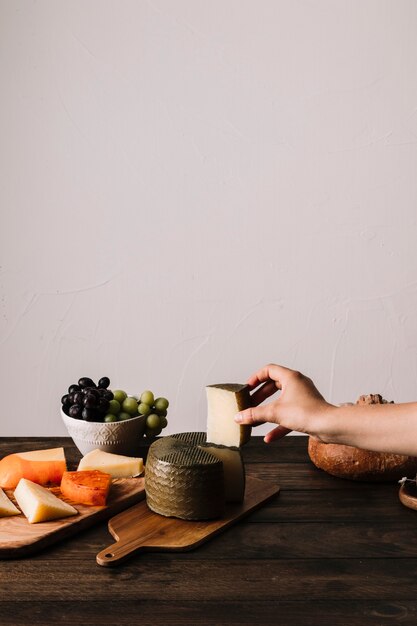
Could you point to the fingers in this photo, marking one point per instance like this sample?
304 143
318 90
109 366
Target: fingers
277 433
254 416
261 394
276 373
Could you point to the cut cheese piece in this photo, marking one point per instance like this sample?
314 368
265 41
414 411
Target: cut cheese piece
86 487
233 469
39 504
6 506
40 466
116 465
224 401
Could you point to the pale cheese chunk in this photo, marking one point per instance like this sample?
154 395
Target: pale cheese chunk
39 504
233 471
116 465
224 402
6 506
52 454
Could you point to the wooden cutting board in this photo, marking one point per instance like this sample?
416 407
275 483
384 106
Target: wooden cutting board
18 538
139 529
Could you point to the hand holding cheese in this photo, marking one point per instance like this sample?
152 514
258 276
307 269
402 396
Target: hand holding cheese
378 427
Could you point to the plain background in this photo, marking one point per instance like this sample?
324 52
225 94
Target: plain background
191 189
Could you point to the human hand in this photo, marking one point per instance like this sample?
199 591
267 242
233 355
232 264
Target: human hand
299 406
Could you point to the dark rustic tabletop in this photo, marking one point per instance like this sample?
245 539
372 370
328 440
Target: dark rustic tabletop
324 552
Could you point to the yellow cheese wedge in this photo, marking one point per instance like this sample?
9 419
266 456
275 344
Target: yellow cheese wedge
224 401
39 504
233 470
116 465
6 506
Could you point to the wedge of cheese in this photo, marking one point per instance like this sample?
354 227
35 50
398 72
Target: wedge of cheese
233 470
39 504
40 466
86 487
116 465
223 402
6 506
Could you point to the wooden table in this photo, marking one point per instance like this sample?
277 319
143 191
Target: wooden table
324 552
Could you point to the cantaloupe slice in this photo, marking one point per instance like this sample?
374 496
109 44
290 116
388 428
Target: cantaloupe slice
86 487
40 466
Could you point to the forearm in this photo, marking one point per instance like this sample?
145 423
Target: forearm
378 427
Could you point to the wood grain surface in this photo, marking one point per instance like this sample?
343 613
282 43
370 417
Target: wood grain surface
19 539
326 552
139 529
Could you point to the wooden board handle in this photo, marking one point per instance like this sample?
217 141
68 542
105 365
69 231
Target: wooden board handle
118 552
138 529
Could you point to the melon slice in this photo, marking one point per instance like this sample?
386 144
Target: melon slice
40 466
6 506
39 504
86 487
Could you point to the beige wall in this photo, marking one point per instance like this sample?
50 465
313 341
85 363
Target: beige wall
190 189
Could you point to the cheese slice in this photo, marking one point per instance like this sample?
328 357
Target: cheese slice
116 465
233 471
39 466
6 506
39 504
86 487
224 401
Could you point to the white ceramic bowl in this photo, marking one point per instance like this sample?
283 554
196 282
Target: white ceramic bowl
118 437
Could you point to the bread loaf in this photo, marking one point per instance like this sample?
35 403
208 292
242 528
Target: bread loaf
357 464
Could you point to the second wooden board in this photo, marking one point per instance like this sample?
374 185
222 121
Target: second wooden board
139 529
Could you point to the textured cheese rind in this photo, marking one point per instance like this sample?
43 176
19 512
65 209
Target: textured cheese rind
223 402
39 504
182 480
7 507
233 469
116 465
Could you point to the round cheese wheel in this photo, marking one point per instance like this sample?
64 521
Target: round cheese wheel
357 464
183 480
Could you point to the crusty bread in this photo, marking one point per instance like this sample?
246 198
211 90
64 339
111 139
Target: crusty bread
356 464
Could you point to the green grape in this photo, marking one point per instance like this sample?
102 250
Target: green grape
147 397
110 417
153 421
164 422
120 395
153 432
161 404
124 416
144 409
114 407
130 405
161 413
